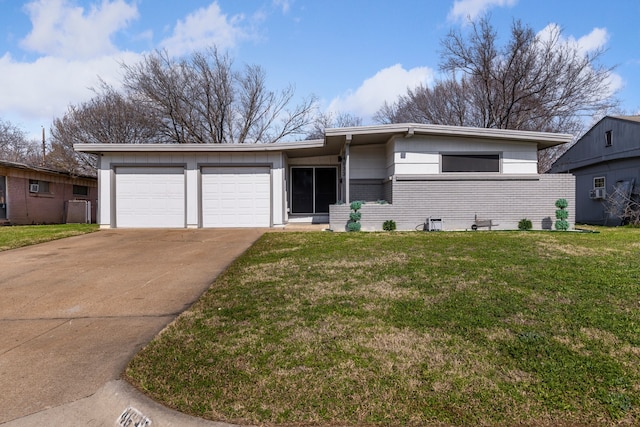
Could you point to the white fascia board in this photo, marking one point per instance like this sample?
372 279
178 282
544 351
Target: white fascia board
544 139
196 148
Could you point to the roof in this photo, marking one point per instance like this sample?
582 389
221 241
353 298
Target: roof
335 138
629 118
382 133
587 152
41 169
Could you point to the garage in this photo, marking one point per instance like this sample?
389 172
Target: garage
236 196
150 197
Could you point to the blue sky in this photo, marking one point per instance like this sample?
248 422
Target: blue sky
352 54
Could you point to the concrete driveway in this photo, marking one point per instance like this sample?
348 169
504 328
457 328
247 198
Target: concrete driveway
73 312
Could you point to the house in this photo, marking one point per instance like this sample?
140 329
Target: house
37 195
408 173
606 163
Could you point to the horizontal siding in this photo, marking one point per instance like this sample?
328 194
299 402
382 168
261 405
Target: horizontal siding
421 154
457 202
368 162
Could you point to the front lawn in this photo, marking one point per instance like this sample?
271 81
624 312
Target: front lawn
24 235
485 328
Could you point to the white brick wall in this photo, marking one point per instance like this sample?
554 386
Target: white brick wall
504 199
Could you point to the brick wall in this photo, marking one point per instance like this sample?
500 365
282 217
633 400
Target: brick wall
25 208
366 190
505 199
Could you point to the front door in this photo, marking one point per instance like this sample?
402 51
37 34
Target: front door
3 197
313 189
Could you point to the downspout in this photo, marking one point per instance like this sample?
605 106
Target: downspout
347 171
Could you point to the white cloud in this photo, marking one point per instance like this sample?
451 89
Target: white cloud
204 28
596 39
50 84
63 30
471 9
385 85
284 5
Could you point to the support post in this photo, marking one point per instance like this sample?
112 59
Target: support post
347 172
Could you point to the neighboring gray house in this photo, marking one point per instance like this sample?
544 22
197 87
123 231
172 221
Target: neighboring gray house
446 173
606 164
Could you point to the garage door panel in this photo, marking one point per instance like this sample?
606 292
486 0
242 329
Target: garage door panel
150 197
236 197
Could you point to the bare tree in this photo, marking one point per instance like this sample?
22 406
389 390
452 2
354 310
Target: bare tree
109 117
530 83
15 146
332 120
201 99
624 204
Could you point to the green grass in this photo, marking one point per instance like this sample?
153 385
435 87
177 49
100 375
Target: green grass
486 328
18 236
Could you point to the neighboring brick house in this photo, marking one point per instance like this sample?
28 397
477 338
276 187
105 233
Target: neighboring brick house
35 195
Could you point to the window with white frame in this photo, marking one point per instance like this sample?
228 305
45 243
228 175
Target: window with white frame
599 182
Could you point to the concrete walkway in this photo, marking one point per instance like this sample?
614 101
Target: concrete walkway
73 312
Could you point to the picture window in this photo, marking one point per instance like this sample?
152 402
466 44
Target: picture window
470 163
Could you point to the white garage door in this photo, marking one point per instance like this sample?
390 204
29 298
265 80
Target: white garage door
236 197
150 197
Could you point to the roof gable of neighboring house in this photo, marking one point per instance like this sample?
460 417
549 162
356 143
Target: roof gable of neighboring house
612 138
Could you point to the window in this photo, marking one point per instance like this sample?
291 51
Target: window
599 182
80 190
470 163
608 138
37 186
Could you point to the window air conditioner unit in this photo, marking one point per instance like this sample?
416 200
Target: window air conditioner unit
33 188
597 193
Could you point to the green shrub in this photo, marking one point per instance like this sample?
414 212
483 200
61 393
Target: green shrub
354 217
353 226
562 215
525 224
356 206
389 225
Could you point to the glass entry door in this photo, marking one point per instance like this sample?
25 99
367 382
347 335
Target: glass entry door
313 189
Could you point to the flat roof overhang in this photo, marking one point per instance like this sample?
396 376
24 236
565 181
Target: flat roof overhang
363 135
336 138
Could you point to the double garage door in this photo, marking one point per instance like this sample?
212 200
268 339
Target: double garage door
156 197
